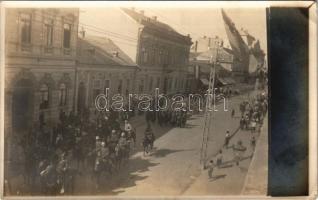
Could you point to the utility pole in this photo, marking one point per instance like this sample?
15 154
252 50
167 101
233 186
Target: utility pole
208 113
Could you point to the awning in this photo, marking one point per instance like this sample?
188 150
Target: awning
204 81
227 66
226 81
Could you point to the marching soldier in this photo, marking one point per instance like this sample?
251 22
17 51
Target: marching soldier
239 150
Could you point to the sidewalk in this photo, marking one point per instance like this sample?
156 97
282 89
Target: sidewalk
256 178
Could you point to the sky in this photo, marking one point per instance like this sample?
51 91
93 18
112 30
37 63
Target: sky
196 21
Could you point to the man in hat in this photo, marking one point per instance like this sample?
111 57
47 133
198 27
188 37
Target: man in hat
128 126
239 150
149 135
49 175
61 169
242 123
113 139
210 168
122 145
98 143
253 142
104 152
122 142
227 139
219 159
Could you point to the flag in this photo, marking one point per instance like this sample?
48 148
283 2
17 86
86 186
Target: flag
237 43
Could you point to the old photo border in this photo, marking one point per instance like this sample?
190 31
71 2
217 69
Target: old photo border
312 86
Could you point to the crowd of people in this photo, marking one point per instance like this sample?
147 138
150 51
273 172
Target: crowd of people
54 157
252 113
98 143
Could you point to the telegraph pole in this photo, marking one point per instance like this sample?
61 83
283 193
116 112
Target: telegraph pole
208 113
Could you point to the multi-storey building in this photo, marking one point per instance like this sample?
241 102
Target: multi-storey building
40 61
102 64
160 52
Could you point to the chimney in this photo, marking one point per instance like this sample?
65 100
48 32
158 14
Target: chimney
142 12
154 18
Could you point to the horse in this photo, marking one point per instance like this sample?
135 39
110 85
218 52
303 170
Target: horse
122 154
147 144
101 165
132 136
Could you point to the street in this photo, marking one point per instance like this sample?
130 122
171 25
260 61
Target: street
173 167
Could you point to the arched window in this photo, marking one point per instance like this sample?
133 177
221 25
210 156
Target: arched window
141 86
150 83
63 94
44 96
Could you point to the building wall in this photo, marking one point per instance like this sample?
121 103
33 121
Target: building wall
38 63
205 43
95 79
161 59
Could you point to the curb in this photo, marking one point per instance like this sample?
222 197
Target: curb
255 189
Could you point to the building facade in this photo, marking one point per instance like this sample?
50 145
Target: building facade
162 55
102 64
40 66
204 50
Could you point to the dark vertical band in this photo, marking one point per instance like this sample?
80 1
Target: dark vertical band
288 84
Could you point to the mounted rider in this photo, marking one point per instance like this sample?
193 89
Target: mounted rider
49 175
113 139
62 168
104 151
123 144
131 135
149 136
101 156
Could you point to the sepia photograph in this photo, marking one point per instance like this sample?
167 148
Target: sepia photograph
135 101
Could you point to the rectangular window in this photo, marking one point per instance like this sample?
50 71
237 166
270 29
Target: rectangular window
127 86
150 83
107 85
96 89
44 96
158 82
48 31
96 92
67 36
141 86
145 56
63 94
153 56
120 86
170 84
25 26
160 57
